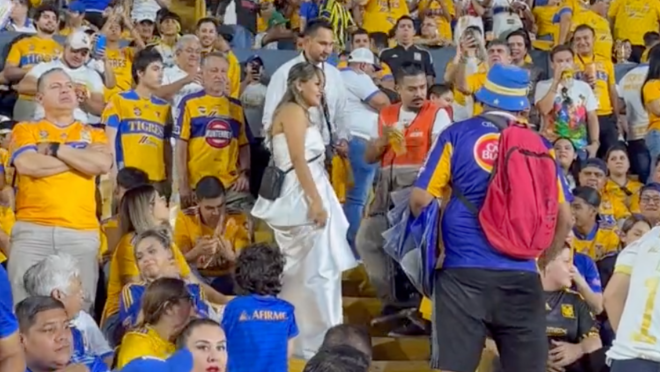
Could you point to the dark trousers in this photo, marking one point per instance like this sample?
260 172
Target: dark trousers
640 159
259 158
469 304
609 133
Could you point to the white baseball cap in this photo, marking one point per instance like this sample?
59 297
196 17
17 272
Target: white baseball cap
363 55
79 40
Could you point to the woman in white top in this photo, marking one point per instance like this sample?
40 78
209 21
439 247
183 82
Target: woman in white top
308 222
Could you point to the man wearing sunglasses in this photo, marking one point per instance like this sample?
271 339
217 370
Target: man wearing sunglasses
568 105
88 82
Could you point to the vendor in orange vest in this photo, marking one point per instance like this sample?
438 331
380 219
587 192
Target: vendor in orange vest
405 133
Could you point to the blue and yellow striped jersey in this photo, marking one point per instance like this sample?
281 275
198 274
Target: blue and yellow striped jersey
141 132
214 128
130 302
599 242
463 157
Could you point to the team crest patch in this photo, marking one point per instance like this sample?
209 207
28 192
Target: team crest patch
567 311
137 111
218 133
485 151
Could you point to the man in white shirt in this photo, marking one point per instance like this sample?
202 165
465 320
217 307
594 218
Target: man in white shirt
319 40
568 106
88 82
631 302
630 87
363 102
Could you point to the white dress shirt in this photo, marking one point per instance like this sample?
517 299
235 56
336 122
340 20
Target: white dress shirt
335 96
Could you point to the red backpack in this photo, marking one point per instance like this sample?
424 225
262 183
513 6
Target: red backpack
519 213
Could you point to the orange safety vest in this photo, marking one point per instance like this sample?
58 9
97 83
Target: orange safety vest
417 135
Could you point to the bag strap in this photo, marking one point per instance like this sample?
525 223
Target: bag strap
500 122
325 111
308 161
464 200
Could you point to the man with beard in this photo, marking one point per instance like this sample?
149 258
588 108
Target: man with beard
413 121
331 117
498 52
88 84
211 137
519 45
30 51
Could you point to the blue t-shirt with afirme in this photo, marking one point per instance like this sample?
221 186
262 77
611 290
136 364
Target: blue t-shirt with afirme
258 330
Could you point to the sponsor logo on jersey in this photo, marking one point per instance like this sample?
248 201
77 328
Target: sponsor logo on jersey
485 151
218 133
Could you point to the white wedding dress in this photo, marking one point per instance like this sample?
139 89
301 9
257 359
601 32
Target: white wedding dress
315 257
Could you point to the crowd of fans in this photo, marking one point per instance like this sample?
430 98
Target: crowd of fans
165 206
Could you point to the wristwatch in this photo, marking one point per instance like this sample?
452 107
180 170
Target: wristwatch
54 148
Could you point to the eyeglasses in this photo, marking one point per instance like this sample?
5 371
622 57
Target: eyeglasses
649 200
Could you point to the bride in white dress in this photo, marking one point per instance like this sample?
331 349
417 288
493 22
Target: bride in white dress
307 219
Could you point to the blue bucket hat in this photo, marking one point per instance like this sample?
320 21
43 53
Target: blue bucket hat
181 361
505 88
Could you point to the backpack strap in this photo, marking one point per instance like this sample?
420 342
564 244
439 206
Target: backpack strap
468 204
500 121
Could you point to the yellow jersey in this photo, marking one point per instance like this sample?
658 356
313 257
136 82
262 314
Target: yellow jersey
67 199
645 56
32 50
597 243
603 42
381 15
143 342
189 11
547 20
604 79
459 97
121 61
651 91
634 18
234 74
627 195
611 210
189 228
444 25
7 220
474 83
141 132
214 128
6 168
109 223
123 266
